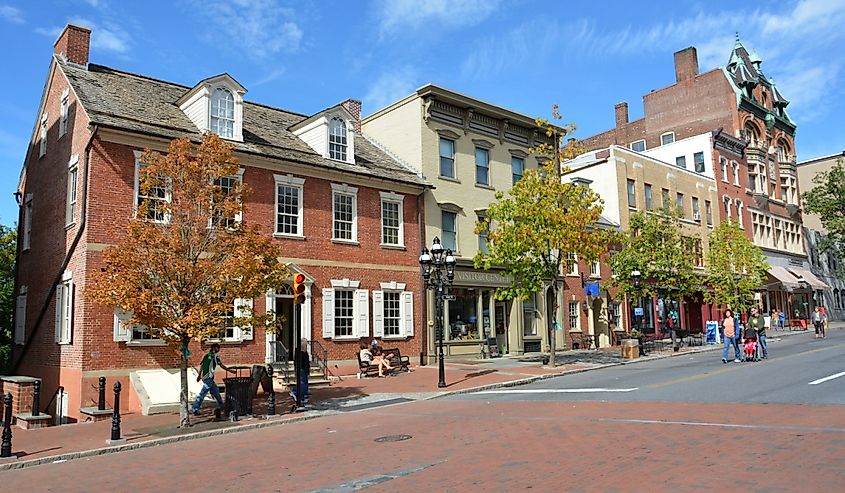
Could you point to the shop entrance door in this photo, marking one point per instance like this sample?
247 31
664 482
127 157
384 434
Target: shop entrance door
502 327
284 309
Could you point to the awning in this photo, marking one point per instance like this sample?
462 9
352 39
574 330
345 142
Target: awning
809 278
784 276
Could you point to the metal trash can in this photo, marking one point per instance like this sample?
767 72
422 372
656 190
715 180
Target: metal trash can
238 395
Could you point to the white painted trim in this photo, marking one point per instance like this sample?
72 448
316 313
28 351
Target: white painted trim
345 283
344 189
392 286
397 199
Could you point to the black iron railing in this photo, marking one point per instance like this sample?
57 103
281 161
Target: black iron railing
320 356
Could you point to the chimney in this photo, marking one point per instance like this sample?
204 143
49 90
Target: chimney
73 44
621 114
353 106
686 64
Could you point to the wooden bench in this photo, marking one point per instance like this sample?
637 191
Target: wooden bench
397 361
365 368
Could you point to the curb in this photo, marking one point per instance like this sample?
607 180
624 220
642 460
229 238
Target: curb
264 423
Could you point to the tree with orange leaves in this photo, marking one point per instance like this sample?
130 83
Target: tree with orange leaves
188 254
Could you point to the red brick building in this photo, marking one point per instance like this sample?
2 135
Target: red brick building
344 212
753 151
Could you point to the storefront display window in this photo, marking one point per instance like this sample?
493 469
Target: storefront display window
463 315
529 320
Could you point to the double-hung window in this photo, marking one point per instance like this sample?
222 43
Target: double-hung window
482 166
27 222
393 311
735 169
572 261
638 146
344 213
708 211
447 157
723 166
226 184
632 194
698 159
680 203
739 214
72 182
289 205
574 318
664 195
223 113
648 195
346 310
63 111
483 246
392 230
337 139
595 269
667 138
681 162
517 168
64 309
449 230
151 194
696 213
42 144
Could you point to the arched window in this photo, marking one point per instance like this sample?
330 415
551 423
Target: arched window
223 113
751 133
337 139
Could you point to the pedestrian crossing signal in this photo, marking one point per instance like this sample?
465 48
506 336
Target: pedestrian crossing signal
299 289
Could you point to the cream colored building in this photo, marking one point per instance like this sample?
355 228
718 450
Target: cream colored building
468 150
629 181
822 265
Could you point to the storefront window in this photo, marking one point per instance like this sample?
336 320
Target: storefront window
668 314
646 321
463 315
529 321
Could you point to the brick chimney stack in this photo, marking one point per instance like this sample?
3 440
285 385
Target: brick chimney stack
73 44
621 114
686 64
353 106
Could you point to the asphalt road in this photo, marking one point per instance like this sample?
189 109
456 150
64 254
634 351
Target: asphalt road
784 378
692 424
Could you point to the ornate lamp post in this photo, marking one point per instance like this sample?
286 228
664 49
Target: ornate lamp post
438 271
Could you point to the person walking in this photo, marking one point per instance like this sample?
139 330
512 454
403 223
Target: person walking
209 364
782 319
730 328
818 322
758 322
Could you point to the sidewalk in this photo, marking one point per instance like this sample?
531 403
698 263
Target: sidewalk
347 395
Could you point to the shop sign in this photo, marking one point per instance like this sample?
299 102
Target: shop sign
481 278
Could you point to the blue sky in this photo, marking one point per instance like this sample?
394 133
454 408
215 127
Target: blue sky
521 54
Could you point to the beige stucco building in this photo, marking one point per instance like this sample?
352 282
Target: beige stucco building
468 150
823 265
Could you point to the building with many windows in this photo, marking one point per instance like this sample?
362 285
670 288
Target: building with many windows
826 266
469 150
753 154
630 182
345 212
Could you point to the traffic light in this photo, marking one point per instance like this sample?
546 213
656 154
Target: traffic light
299 289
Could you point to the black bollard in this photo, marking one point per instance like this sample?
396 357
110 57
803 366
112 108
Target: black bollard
36 397
6 445
271 399
101 401
115 417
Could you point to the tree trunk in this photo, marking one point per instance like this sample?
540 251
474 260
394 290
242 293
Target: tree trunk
184 414
551 325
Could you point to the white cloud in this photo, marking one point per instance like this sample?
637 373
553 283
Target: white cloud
11 14
390 87
106 36
261 28
95 3
50 32
397 15
275 74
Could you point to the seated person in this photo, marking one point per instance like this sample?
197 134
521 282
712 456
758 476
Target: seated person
367 356
750 342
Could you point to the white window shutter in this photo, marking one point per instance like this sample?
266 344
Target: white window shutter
122 329
69 321
328 313
378 313
407 310
243 308
20 319
59 314
361 313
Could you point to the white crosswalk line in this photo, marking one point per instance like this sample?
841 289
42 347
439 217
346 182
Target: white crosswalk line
825 379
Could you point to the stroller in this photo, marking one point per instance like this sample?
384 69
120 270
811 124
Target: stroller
751 349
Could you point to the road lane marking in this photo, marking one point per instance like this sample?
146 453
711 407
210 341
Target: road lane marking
825 379
555 391
724 425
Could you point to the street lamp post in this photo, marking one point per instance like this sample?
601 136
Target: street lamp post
636 277
438 271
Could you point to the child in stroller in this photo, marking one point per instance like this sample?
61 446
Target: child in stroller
750 348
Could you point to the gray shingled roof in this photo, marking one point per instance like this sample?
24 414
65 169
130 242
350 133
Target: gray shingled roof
117 99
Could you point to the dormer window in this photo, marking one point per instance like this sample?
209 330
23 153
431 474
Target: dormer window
223 113
337 139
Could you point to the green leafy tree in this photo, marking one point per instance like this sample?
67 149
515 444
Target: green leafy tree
8 244
656 248
542 218
827 200
736 268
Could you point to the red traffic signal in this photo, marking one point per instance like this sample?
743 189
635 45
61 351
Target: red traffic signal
299 289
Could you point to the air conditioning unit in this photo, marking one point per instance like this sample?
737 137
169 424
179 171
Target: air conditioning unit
696 216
